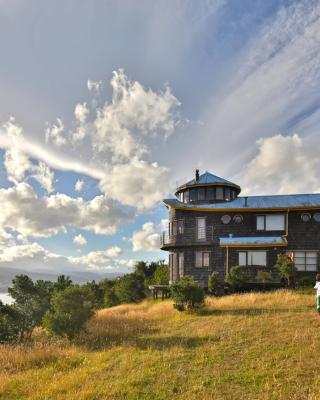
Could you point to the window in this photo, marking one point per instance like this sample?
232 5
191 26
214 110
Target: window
181 264
201 228
272 222
226 219
306 217
305 260
210 193
238 219
192 195
227 195
201 194
202 259
219 193
180 227
256 258
316 217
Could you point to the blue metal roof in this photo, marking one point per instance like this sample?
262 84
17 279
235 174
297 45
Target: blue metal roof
263 202
207 178
254 240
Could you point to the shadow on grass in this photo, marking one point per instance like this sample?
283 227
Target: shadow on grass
166 342
248 311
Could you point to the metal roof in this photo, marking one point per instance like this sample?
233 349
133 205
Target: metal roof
206 179
253 240
255 202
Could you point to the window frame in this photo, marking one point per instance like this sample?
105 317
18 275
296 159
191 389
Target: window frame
247 258
204 253
180 256
290 252
197 228
265 216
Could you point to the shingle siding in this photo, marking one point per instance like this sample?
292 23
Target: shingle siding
301 236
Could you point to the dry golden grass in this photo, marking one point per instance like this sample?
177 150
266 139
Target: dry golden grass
250 346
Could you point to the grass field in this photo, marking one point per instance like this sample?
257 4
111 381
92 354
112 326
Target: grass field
250 346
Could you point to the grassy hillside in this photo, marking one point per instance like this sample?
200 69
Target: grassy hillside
251 346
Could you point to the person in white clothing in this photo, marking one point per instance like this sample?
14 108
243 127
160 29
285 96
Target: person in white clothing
317 287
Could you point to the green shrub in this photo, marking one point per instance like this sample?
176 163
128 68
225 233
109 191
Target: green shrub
161 275
236 277
71 309
306 281
130 288
186 293
264 276
213 282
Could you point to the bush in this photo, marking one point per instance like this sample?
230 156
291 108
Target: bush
287 269
306 281
186 293
213 282
264 276
236 277
71 309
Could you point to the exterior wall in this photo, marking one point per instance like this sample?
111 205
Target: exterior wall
301 236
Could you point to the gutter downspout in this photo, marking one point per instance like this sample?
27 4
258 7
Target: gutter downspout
227 260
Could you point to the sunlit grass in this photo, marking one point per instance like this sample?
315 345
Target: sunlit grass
248 346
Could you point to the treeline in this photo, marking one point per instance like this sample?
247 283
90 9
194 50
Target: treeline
63 308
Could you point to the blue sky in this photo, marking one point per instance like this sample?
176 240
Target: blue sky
128 98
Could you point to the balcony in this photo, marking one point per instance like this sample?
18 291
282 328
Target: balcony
189 237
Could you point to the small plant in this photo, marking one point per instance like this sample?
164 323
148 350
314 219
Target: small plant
287 269
187 294
213 282
236 277
306 281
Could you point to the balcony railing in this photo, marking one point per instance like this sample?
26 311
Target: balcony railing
187 237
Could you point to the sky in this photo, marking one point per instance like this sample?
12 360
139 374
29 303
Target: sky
105 107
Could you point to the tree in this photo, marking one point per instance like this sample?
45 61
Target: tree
186 293
161 275
130 288
236 277
213 282
9 328
23 291
71 309
63 281
287 269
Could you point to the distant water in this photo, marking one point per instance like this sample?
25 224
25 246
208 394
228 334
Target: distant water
6 298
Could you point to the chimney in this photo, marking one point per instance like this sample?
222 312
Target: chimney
197 175
245 201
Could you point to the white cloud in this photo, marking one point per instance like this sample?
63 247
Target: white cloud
81 112
114 251
80 240
79 185
54 133
146 239
133 110
100 259
44 176
137 184
34 257
26 213
283 164
94 85
164 224
17 163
